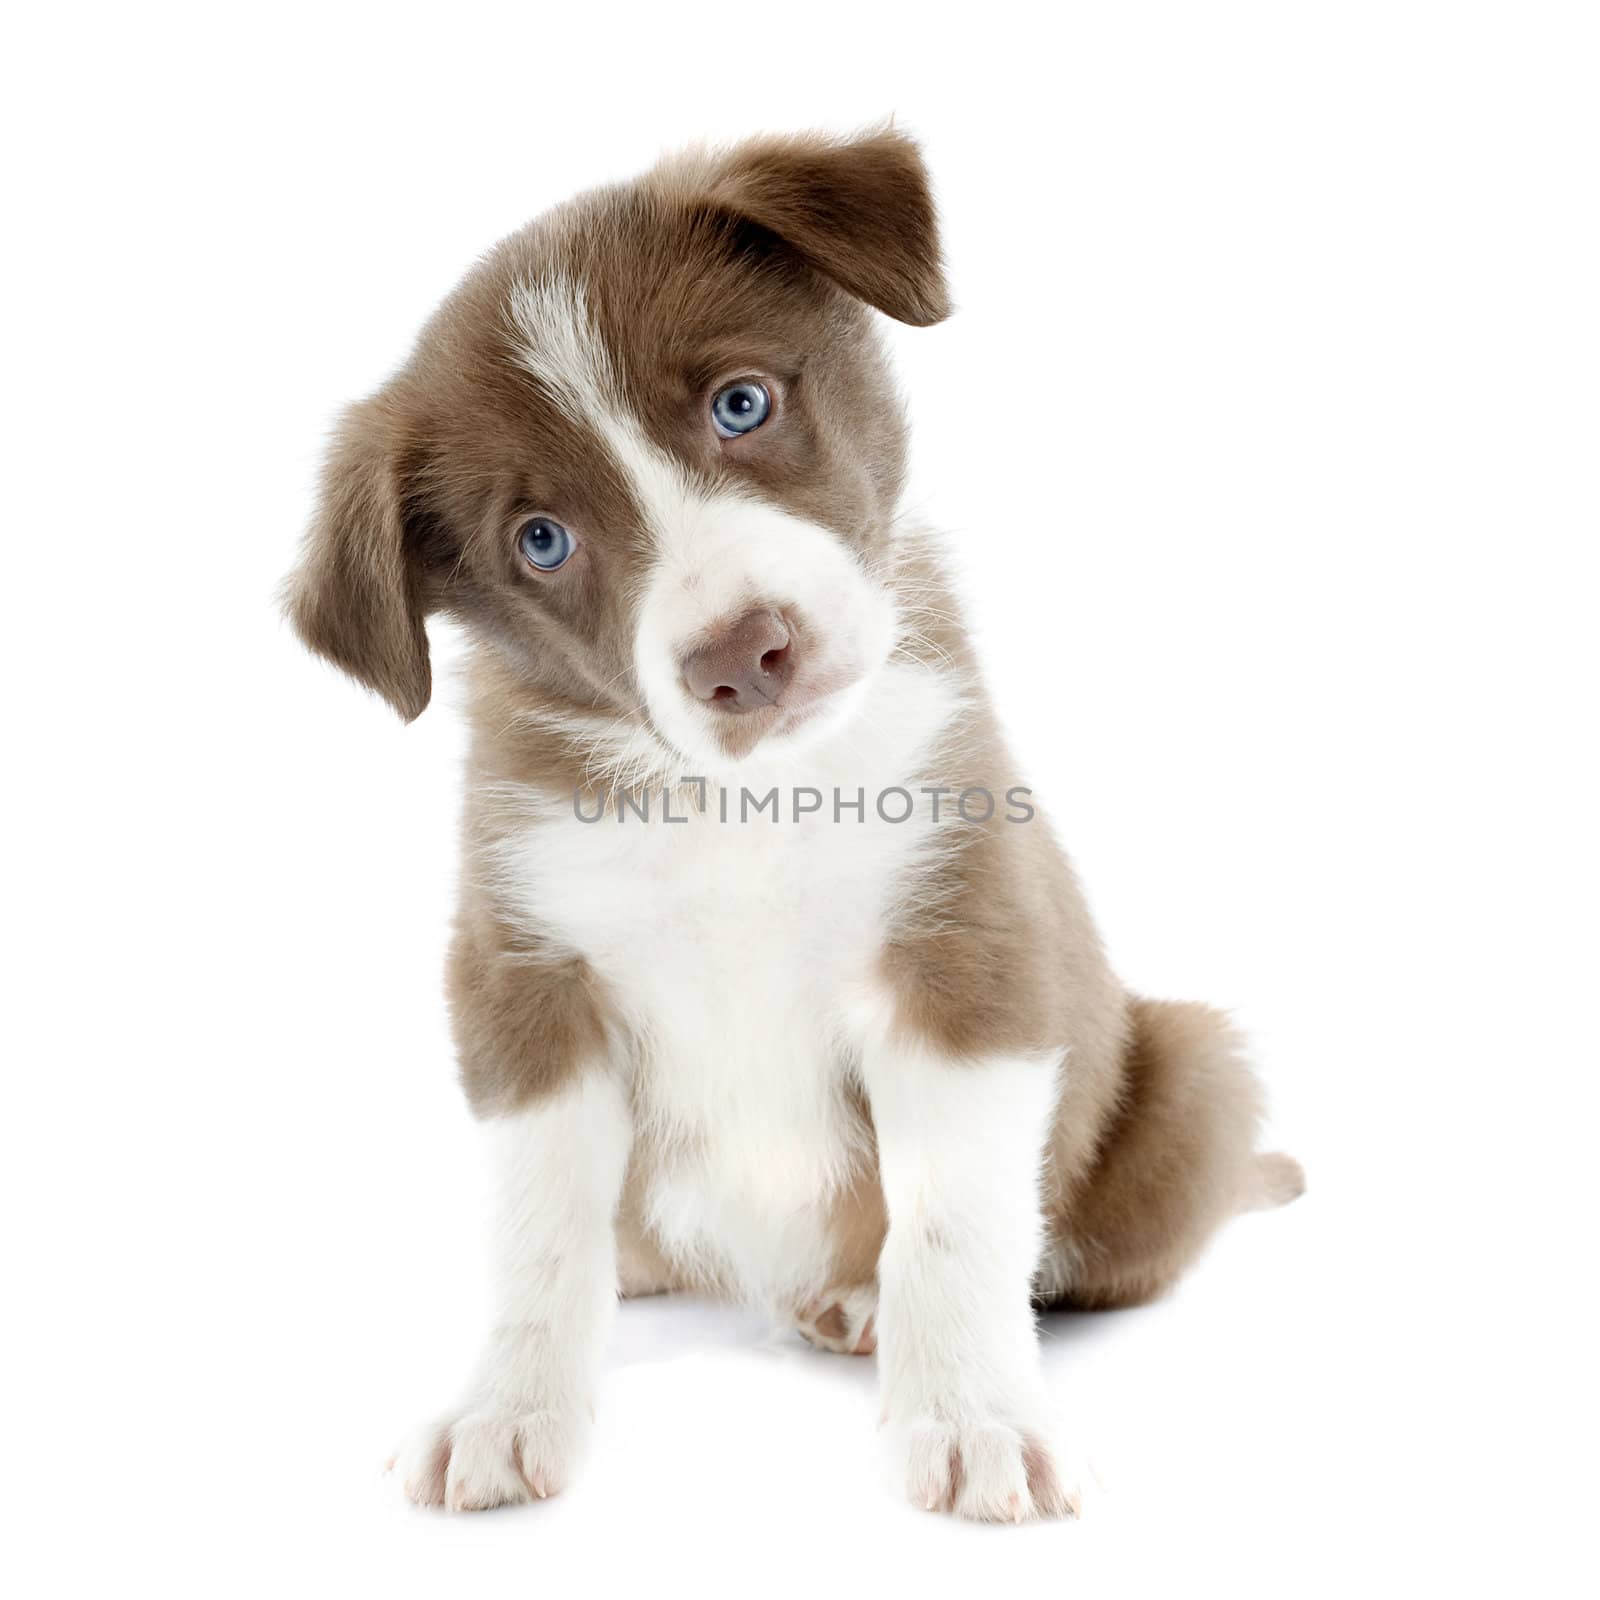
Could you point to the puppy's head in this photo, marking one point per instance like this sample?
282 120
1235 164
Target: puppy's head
651 451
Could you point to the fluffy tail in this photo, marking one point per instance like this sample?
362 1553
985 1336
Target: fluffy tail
1177 1159
1276 1181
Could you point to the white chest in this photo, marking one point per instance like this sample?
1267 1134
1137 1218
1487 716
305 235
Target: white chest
731 948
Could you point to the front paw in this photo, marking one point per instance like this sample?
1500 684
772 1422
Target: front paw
987 1470
488 1457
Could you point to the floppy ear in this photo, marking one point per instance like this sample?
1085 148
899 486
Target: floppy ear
858 211
356 596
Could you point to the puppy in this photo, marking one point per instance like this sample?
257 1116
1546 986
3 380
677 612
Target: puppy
768 980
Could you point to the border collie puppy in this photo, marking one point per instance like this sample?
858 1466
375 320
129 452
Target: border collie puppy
767 979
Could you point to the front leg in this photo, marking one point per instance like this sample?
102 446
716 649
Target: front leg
960 1144
558 1168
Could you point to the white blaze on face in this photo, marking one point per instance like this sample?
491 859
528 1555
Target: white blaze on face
716 554
560 345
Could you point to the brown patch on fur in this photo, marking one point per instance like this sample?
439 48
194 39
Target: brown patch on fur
999 954
526 1019
357 597
859 212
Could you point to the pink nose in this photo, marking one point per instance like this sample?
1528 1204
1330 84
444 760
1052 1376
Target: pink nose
745 668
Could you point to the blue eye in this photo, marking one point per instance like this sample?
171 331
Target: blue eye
546 544
740 408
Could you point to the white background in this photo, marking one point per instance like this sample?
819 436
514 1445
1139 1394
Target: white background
1267 433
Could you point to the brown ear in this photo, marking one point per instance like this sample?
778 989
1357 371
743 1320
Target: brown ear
859 211
356 595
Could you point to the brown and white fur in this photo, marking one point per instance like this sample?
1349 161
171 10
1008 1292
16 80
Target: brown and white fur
874 1074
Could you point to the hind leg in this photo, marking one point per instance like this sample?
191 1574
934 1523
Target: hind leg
843 1315
1176 1160
842 1320
642 1267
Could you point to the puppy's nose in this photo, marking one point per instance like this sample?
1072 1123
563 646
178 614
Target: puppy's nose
745 668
